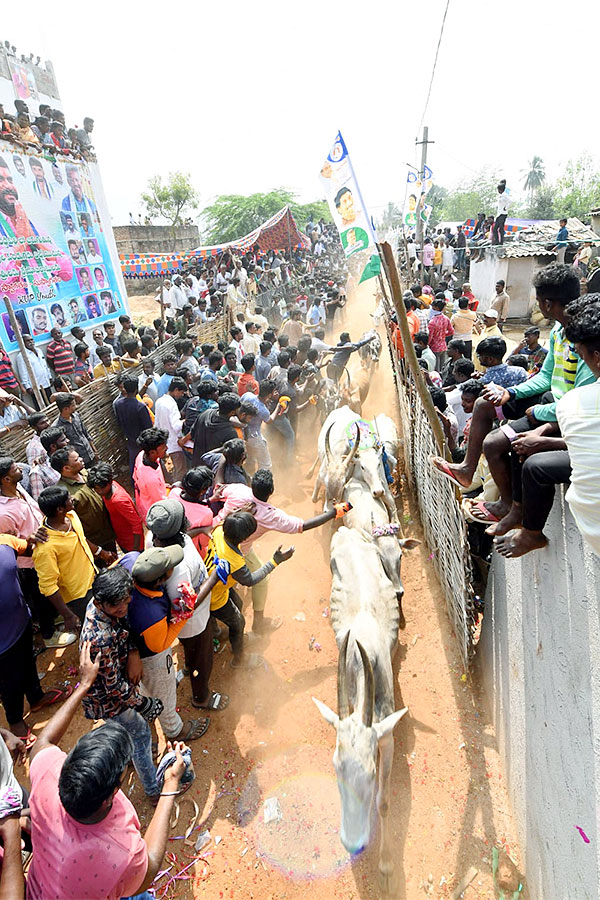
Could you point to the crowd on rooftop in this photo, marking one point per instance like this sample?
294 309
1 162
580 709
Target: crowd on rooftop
45 131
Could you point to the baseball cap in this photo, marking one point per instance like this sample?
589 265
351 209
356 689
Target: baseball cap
152 564
165 518
491 313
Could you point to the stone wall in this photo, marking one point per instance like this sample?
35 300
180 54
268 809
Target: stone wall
539 657
131 239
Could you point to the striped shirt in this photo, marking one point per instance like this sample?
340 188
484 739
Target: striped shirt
7 376
562 370
61 354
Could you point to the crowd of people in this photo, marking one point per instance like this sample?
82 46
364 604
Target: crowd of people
46 131
516 423
129 571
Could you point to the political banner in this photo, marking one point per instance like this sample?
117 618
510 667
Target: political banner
418 185
348 209
58 260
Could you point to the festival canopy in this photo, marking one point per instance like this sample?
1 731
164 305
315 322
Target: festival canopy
280 232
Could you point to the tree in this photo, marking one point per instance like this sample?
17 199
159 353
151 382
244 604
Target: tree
535 175
232 216
578 190
542 204
472 196
436 197
391 217
170 200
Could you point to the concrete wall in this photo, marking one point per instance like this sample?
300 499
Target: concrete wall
132 239
483 277
539 657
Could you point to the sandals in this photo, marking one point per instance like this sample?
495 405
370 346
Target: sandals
478 511
54 695
193 729
247 661
216 701
441 466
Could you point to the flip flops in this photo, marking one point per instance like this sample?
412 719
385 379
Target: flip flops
52 696
441 466
216 701
478 511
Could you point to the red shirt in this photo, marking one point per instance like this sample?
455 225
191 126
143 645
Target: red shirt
440 327
247 382
61 354
124 518
7 376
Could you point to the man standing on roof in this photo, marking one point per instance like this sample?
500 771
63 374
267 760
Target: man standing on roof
501 214
562 237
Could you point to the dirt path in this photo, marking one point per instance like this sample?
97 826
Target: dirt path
449 806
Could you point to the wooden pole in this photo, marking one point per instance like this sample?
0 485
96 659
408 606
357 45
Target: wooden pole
409 351
15 327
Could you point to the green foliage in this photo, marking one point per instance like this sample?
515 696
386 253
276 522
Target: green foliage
578 190
232 216
474 195
542 204
535 175
436 197
170 200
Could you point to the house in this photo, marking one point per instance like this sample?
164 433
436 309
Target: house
517 261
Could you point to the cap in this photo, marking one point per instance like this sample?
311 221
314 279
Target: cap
152 564
533 330
165 518
491 313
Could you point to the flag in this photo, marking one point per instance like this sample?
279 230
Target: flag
355 226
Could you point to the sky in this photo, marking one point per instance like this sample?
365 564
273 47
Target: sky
249 97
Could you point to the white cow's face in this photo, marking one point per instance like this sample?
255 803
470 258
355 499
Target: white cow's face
369 468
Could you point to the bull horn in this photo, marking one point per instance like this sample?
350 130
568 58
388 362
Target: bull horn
354 448
369 703
342 687
327 444
347 376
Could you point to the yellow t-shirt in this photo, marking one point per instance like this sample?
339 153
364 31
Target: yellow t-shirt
65 562
218 546
437 257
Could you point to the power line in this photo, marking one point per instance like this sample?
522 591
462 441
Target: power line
434 65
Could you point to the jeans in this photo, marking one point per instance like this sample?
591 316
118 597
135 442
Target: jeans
159 679
141 738
19 677
145 896
460 258
283 426
258 452
231 615
41 608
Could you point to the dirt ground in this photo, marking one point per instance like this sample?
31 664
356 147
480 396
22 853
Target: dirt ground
449 806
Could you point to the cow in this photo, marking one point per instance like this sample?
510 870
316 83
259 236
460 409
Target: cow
371 352
340 456
364 617
367 514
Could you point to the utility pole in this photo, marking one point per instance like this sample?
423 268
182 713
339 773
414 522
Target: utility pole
423 144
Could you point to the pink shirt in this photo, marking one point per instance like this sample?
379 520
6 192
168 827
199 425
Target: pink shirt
20 516
198 515
268 518
105 861
440 327
149 483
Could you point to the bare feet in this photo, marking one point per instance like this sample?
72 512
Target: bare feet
519 542
512 519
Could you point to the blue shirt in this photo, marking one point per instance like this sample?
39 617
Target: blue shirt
504 375
14 613
162 385
262 414
562 237
262 367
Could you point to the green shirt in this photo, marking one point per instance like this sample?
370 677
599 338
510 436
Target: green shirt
563 370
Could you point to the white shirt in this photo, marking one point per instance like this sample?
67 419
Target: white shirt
190 569
177 298
578 414
238 346
94 258
168 418
448 257
251 344
502 204
152 389
454 399
38 364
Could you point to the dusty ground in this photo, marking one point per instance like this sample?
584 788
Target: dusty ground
449 806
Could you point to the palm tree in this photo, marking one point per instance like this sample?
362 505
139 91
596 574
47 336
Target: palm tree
535 175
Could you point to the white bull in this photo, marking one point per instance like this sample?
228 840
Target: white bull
366 514
339 457
364 616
